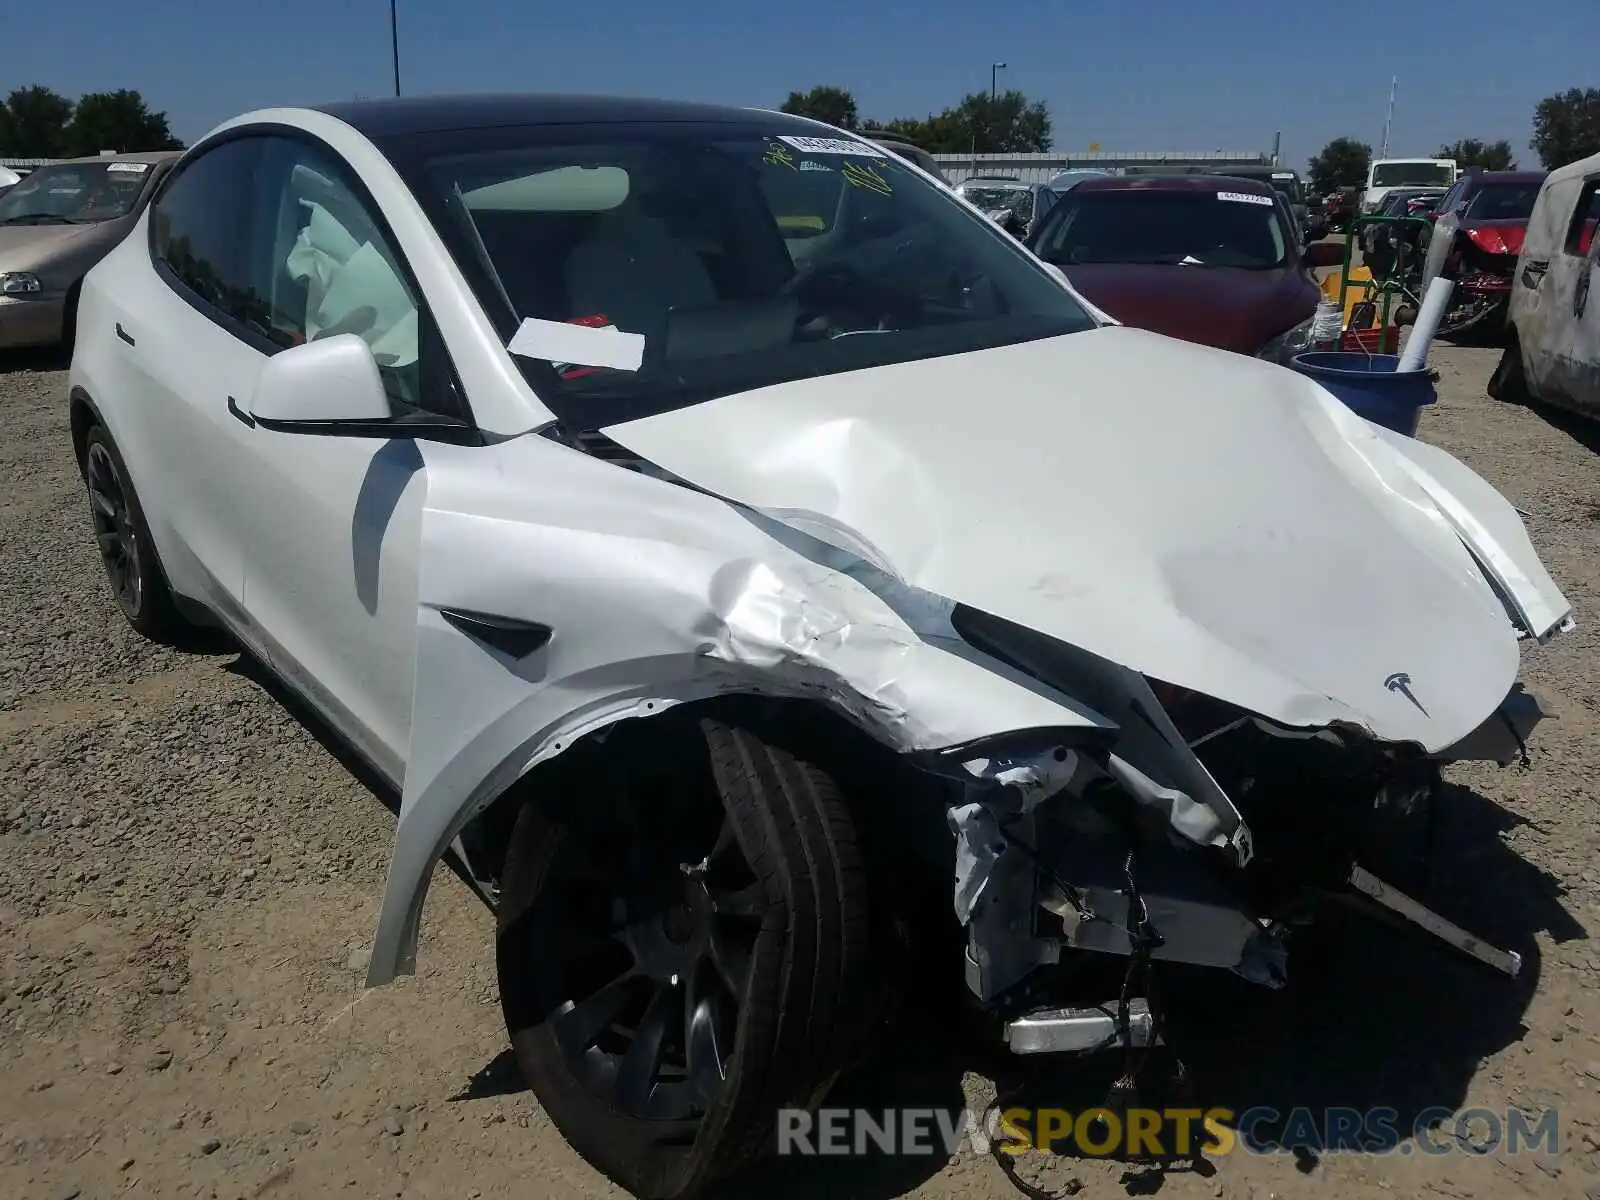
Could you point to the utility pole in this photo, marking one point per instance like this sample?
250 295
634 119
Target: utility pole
1388 118
1277 145
394 44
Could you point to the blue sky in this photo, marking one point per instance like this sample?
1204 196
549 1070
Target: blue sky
1159 75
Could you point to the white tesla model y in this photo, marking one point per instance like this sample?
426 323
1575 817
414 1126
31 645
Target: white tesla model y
723 538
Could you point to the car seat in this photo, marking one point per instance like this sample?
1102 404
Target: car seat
632 271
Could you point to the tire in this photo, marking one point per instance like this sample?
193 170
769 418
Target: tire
127 552
1508 384
764 940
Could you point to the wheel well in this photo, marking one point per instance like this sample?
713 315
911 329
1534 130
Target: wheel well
899 816
83 417
69 312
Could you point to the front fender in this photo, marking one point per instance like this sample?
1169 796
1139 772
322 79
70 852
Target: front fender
652 595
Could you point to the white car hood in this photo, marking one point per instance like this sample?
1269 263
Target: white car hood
1206 519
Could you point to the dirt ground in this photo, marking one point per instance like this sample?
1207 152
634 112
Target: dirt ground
188 877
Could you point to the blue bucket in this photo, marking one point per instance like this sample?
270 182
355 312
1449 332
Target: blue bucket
1370 386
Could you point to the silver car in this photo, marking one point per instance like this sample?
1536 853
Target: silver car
55 224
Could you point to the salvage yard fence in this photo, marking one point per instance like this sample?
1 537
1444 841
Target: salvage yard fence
1042 168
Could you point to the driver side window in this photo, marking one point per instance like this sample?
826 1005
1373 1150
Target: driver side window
320 263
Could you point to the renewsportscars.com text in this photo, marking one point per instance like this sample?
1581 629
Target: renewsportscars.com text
1166 1133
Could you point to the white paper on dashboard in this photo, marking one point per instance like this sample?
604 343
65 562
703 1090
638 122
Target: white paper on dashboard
577 345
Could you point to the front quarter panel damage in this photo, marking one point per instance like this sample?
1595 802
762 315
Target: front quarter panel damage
654 595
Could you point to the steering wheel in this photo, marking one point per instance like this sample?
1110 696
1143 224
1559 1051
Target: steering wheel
826 289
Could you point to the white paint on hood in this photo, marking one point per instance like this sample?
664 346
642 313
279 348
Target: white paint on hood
1203 518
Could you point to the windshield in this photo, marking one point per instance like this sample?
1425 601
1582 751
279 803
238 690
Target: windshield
1290 186
1503 202
1398 174
1194 228
1016 200
74 193
714 258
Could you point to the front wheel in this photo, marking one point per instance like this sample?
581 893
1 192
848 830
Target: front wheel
682 950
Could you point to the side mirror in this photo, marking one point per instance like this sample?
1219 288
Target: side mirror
330 380
1323 254
332 387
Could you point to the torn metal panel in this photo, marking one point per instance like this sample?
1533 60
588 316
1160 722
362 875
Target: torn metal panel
1193 531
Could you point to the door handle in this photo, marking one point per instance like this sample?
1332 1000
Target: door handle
124 334
1533 273
233 408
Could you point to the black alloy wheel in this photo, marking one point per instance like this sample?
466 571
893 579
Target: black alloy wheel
114 531
122 537
682 949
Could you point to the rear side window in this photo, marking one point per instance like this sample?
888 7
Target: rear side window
1585 215
197 225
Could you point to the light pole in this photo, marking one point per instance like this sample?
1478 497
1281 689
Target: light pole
394 44
994 92
1388 117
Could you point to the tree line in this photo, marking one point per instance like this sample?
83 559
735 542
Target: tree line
1566 127
36 122
1007 123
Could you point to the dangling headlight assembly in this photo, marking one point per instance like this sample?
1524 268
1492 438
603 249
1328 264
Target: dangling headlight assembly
1322 326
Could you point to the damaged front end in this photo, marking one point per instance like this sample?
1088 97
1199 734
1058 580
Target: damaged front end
1201 835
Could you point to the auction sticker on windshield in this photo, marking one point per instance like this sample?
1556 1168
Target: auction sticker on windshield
129 168
816 145
1245 198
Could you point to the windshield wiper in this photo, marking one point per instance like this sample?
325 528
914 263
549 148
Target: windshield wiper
38 219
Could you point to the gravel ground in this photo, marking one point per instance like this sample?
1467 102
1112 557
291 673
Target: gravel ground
188 877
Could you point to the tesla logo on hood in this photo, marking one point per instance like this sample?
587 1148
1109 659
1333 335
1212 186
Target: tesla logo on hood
1400 684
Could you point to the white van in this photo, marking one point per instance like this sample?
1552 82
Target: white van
1553 351
1386 173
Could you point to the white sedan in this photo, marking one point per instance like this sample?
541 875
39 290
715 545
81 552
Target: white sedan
725 540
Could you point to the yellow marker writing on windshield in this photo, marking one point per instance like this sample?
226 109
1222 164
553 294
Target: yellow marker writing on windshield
778 156
864 176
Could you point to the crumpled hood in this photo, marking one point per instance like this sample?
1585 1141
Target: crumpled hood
1209 520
